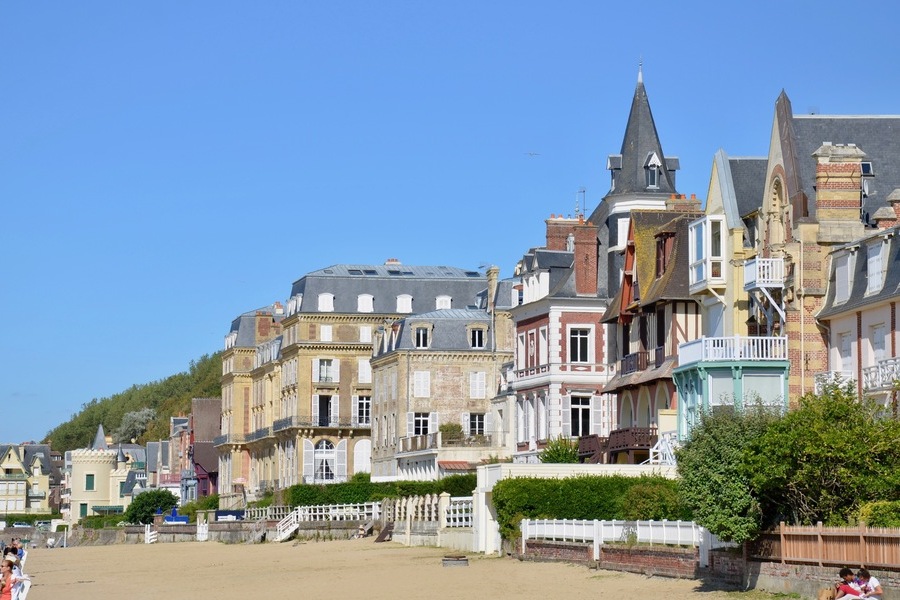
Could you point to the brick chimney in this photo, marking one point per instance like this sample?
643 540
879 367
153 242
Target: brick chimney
558 229
585 260
838 192
681 203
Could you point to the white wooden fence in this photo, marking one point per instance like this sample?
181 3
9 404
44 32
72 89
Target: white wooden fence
674 533
150 536
442 509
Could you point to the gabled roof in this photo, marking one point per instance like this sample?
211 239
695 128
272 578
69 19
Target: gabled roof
876 135
206 456
748 176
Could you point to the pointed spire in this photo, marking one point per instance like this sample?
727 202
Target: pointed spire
121 458
100 439
641 71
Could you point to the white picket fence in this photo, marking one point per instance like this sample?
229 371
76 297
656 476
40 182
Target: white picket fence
202 532
150 536
675 533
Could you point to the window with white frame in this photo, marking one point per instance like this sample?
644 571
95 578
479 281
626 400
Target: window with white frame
404 303
476 424
846 349
326 302
365 303
842 279
477 384
442 303
874 268
579 345
652 167
326 370
324 459
363 410
421 334
476 338
421 421
706 249
877 336
580 410
422 384
325 333
365 334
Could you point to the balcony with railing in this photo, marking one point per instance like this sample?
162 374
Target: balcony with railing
882 376
763 273
258 434
736 348
438 441
635 441
832 378
228 438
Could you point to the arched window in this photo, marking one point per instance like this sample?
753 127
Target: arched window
324 457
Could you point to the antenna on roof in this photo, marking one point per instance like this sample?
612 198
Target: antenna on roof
579 202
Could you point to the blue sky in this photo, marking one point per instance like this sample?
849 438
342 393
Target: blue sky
167 166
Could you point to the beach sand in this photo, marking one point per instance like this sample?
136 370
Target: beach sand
350 569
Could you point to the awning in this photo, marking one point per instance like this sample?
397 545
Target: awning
455 465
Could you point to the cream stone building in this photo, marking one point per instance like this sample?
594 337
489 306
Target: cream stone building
25 478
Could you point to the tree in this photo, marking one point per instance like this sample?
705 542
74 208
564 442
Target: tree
146 504
560 450
826 458
710 463
134 424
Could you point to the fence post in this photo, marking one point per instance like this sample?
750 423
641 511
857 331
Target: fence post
781 541
443 505
863 550
524 531
598 536
821 544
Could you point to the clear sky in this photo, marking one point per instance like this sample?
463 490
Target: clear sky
166 166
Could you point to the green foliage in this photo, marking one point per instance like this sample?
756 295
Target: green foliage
880 514
560 450
190 509
710 464
451 431
653 500
146 504
101 521
360 489
167 397
823 460
584 497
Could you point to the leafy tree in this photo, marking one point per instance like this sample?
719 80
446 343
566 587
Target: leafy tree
133 424
713 485
559 450
823 460
146 504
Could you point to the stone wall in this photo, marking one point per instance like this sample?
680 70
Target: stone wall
666 561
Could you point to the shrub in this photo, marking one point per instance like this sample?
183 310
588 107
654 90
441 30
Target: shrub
560 450
880 514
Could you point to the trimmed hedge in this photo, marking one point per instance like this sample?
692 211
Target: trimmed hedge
360 489
585 497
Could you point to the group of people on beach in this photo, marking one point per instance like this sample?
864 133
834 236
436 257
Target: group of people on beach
850 587
11 577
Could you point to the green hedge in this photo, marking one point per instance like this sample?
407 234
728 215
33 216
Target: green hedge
585 497
880 514
361 489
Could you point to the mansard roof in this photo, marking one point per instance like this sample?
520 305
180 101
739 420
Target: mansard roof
245 325
559 264
858 298
384 283
449 329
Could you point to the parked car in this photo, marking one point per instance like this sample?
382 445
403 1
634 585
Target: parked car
42 525
21 524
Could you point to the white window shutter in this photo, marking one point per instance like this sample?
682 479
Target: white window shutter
432 422
340 460
596 414
335 409
309 465
315 369
315 409
489 423
354 410
567 416
336 364
410 424
464 421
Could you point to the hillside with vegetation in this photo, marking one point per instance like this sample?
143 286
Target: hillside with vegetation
141 412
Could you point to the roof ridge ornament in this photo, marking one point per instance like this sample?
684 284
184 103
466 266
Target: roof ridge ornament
641 70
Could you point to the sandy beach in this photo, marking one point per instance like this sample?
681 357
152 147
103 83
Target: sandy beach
333 570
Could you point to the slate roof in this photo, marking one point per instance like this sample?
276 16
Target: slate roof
206 456
153 455
558 264
876 135
858 265
245 325
748 176
385 283
42 452
449 330
206 414
639 141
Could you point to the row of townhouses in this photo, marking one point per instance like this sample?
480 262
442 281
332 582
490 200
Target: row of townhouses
618 332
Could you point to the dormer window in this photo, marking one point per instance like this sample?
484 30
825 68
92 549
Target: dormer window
875 267
664 243
476 338
421 335
651 169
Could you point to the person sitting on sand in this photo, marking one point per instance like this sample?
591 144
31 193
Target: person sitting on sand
870 586
846 588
